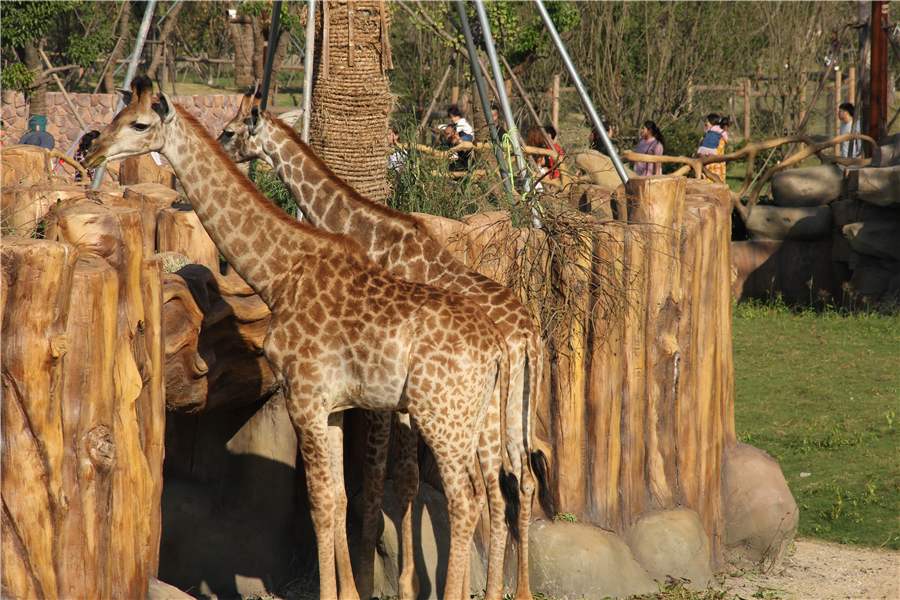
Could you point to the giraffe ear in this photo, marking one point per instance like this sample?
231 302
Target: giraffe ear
252 121
126 95
164 108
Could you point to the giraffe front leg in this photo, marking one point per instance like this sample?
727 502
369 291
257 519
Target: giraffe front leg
346 585
377 442
406 479
311 425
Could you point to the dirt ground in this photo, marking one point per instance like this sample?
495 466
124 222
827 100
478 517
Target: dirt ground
822 570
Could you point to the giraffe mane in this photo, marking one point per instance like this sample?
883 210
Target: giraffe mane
378 207
345 243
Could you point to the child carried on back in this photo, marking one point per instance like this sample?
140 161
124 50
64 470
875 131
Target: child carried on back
713 136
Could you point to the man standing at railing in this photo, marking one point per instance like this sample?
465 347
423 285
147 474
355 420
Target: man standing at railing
850 148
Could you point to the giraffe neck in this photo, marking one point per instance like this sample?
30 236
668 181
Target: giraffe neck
329 203
257 238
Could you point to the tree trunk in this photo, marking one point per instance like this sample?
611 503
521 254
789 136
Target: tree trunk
351 96
159 52
37 96
109 84
242 35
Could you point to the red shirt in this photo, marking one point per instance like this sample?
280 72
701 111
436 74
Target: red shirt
554 172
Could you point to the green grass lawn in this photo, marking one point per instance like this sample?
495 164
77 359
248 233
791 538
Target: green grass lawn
821 393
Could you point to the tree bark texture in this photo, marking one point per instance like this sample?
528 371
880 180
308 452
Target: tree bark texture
83 408
351 96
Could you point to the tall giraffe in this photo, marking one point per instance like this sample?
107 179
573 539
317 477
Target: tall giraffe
401 245
343 332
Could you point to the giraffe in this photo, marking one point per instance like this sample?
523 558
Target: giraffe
343 333
401 245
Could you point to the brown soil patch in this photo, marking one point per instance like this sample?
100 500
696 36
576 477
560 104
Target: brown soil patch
823 570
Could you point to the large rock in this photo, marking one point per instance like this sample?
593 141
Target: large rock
672 543
874 238
571 560
807 186
780 223
875 185
160 590
599 168
431 543
874 277
799 271
844 212
760 513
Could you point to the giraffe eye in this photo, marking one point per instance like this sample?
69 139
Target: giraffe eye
139 126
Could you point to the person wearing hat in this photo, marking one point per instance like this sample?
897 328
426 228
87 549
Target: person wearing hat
37 134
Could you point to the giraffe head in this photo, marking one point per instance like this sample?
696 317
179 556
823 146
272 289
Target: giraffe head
238 138
137 129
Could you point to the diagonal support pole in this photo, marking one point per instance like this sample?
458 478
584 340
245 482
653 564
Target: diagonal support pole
501 93
582 91
483 97
270 54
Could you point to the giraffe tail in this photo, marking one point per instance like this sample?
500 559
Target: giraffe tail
537 460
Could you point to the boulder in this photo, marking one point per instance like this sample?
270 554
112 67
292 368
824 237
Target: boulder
873 277
599 168
573 560
800 271
672 543
159 590
807 186
875 185
780 223
874 238
760 513
844 212
431 540
888 153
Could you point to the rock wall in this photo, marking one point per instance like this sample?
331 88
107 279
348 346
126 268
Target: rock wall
97 110
829 235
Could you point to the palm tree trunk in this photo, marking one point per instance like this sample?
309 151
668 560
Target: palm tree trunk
37 96
351 99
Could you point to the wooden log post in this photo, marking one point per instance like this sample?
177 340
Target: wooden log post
179 230
572 270
851 84
37 279
659 205
92 394
116 235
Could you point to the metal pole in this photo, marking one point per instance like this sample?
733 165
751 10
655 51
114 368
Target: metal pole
588 105
308 66
270 54
129 74
501 92
483 96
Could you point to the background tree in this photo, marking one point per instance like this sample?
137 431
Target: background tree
76 33
351 95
